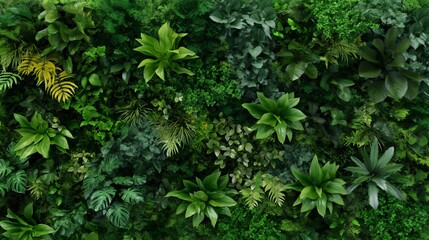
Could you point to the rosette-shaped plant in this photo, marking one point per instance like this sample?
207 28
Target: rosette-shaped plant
205 198
319 189
279 117
165 53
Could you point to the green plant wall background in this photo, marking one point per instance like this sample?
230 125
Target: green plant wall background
254 89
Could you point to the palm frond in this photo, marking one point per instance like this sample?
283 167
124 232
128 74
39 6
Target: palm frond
61 89
8 79
173 135
134 113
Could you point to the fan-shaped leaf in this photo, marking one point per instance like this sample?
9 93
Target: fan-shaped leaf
102 198
131 195
118 215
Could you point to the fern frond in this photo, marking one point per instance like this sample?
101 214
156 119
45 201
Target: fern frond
173 135
7 80
252 197
28 63
60 89
45 72
133 114
275 189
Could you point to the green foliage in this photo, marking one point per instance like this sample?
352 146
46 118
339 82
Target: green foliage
115 184
299 60
385 63
340 18
166 52
253 193
37 136
375 172
390 13
249 224
212 86
246 27
25 229
68 223
319 188
396 220
234 147
279 117
8 79
66 26
209 198
46 72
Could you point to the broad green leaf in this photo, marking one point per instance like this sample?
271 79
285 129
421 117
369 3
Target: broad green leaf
268 119
321 204
294 115
309 192
358 162
295 70
264 131
281 131
385 158
41 230
44 146
25 141
372 163
210 182
379 44
377 91
391 37
95 80
200 195
197 219
118 215
307 205
225 201
182 207
336 198
268 103
23 122
149 71
396 84
102 198
373 195
28 213
392 190
211 214
192 209
180 195
316 173
256 110
334 188
131 195
368 70
402 45
358 170
413 89
17 181
368 54
190 186
300 176
381 183
311 71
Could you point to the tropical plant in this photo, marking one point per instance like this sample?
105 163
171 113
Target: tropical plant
46 72
166 52
375 171
279 117
205 198
253 193
26 229
319 188
384 62
37 136
66 26
8 79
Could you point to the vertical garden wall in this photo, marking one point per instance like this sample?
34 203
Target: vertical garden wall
214 119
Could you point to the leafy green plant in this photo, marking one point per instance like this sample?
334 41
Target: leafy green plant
279 117
26 229
8 79
253 193
319 188
375 171
166 52
384 61
205 198
246 28
37 136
